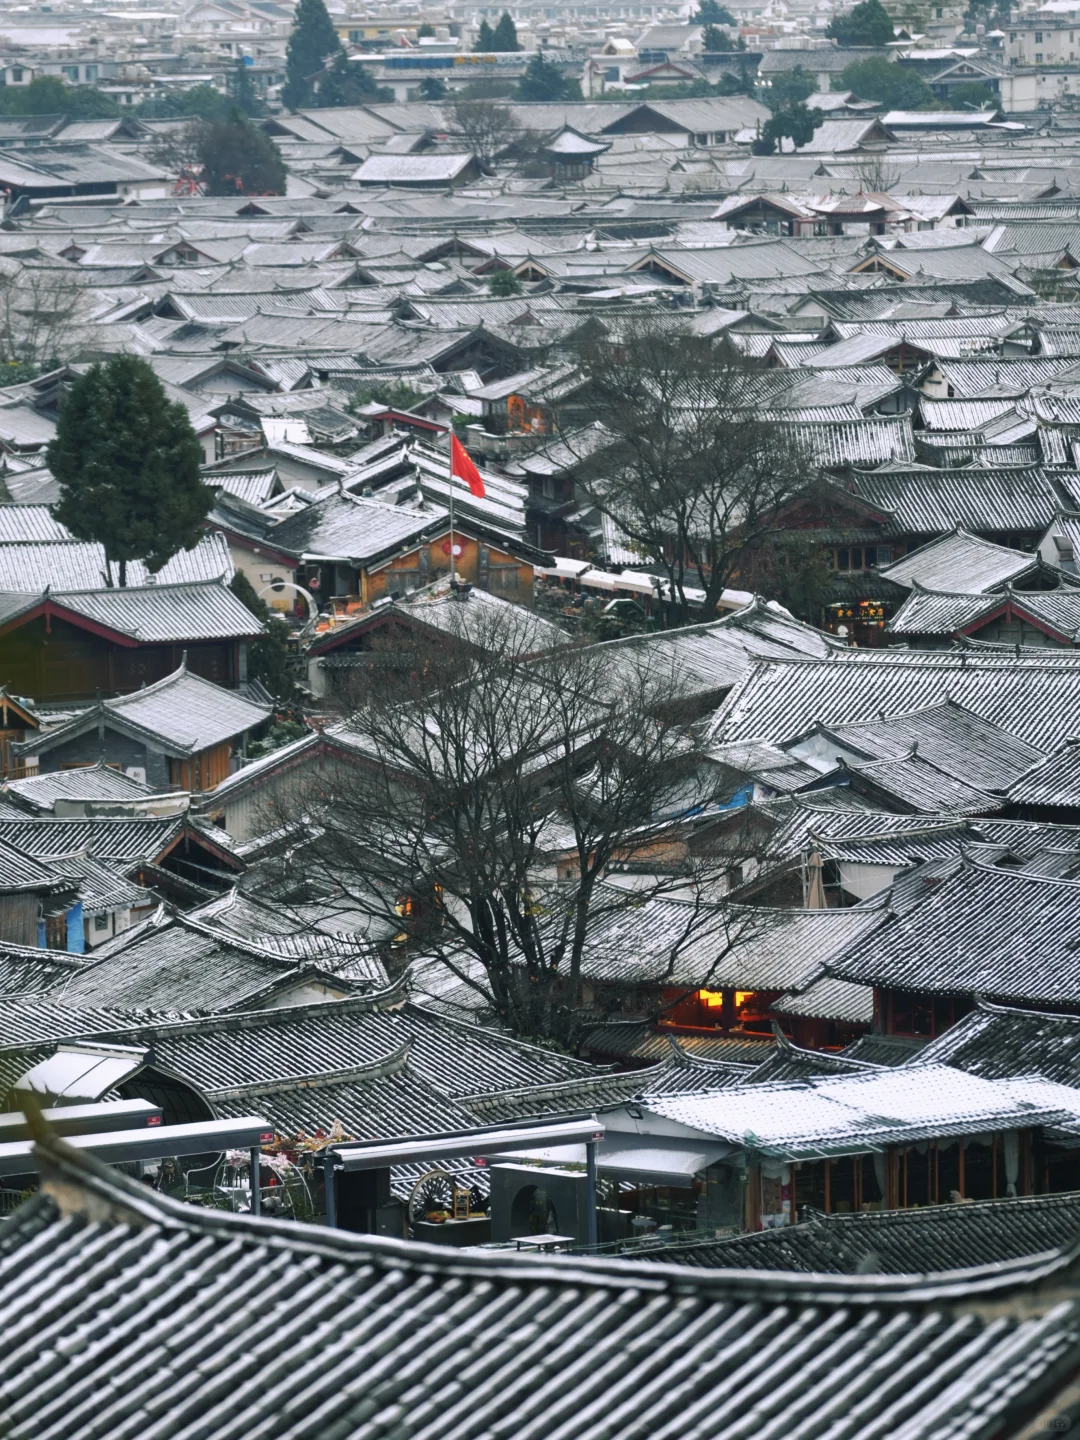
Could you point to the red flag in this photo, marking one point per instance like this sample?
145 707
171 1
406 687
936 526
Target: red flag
462 466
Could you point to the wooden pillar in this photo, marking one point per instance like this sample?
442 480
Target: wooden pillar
752 1197
793 1213
857 1164
1025 1162
904 1162
828 1187
962 1182
936 1197
727 1010
993 1167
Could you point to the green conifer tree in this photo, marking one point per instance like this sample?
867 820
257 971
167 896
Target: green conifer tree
485 38
242 91
505 37
312 43
543 80
127 462
238 159
347 82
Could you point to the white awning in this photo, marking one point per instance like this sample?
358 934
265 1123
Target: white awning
668 1164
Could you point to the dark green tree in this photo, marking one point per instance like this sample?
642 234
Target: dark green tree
237 159
504 283
347 82
485 37
792 121
127 462
426 32
242 91
790 88
868 24
48 95
201 102
711 13
505 38
714 39
312 43
431 88
543 80
972 95
268 656
894 86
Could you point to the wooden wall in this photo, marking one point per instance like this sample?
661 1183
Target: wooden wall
66 662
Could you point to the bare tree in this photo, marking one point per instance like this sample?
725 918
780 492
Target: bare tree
486 126
40 315
177 148
874 173
692 476
484 796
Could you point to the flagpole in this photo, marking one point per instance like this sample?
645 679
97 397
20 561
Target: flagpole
453 572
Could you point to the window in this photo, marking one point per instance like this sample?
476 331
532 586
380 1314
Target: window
91 73
1038 61
1038 37
100 924
70 72
17 76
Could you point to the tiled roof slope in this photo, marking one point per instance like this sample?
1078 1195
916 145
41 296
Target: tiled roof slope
1034 697
985 931
898 1242
371 1335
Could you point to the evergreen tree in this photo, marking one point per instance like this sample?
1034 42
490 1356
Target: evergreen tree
504 283
312 43
711 13
431 88
543 80
347 82
127 462
892 85
714 39
426 32
237 159
242 90
790 87
200 101
268 656
505 37
792 121
868 24
485 37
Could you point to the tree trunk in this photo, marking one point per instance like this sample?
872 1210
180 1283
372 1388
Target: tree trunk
123 574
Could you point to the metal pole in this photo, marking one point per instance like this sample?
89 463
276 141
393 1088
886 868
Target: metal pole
590 1192
453 566
256 1193
331 1189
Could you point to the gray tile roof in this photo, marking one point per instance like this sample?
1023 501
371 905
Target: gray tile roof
1053 781
75 565
862 1113
949 737
658 1352
933 502
985 931
37 793
897 1242
675 942
183 714
778 699
960 562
